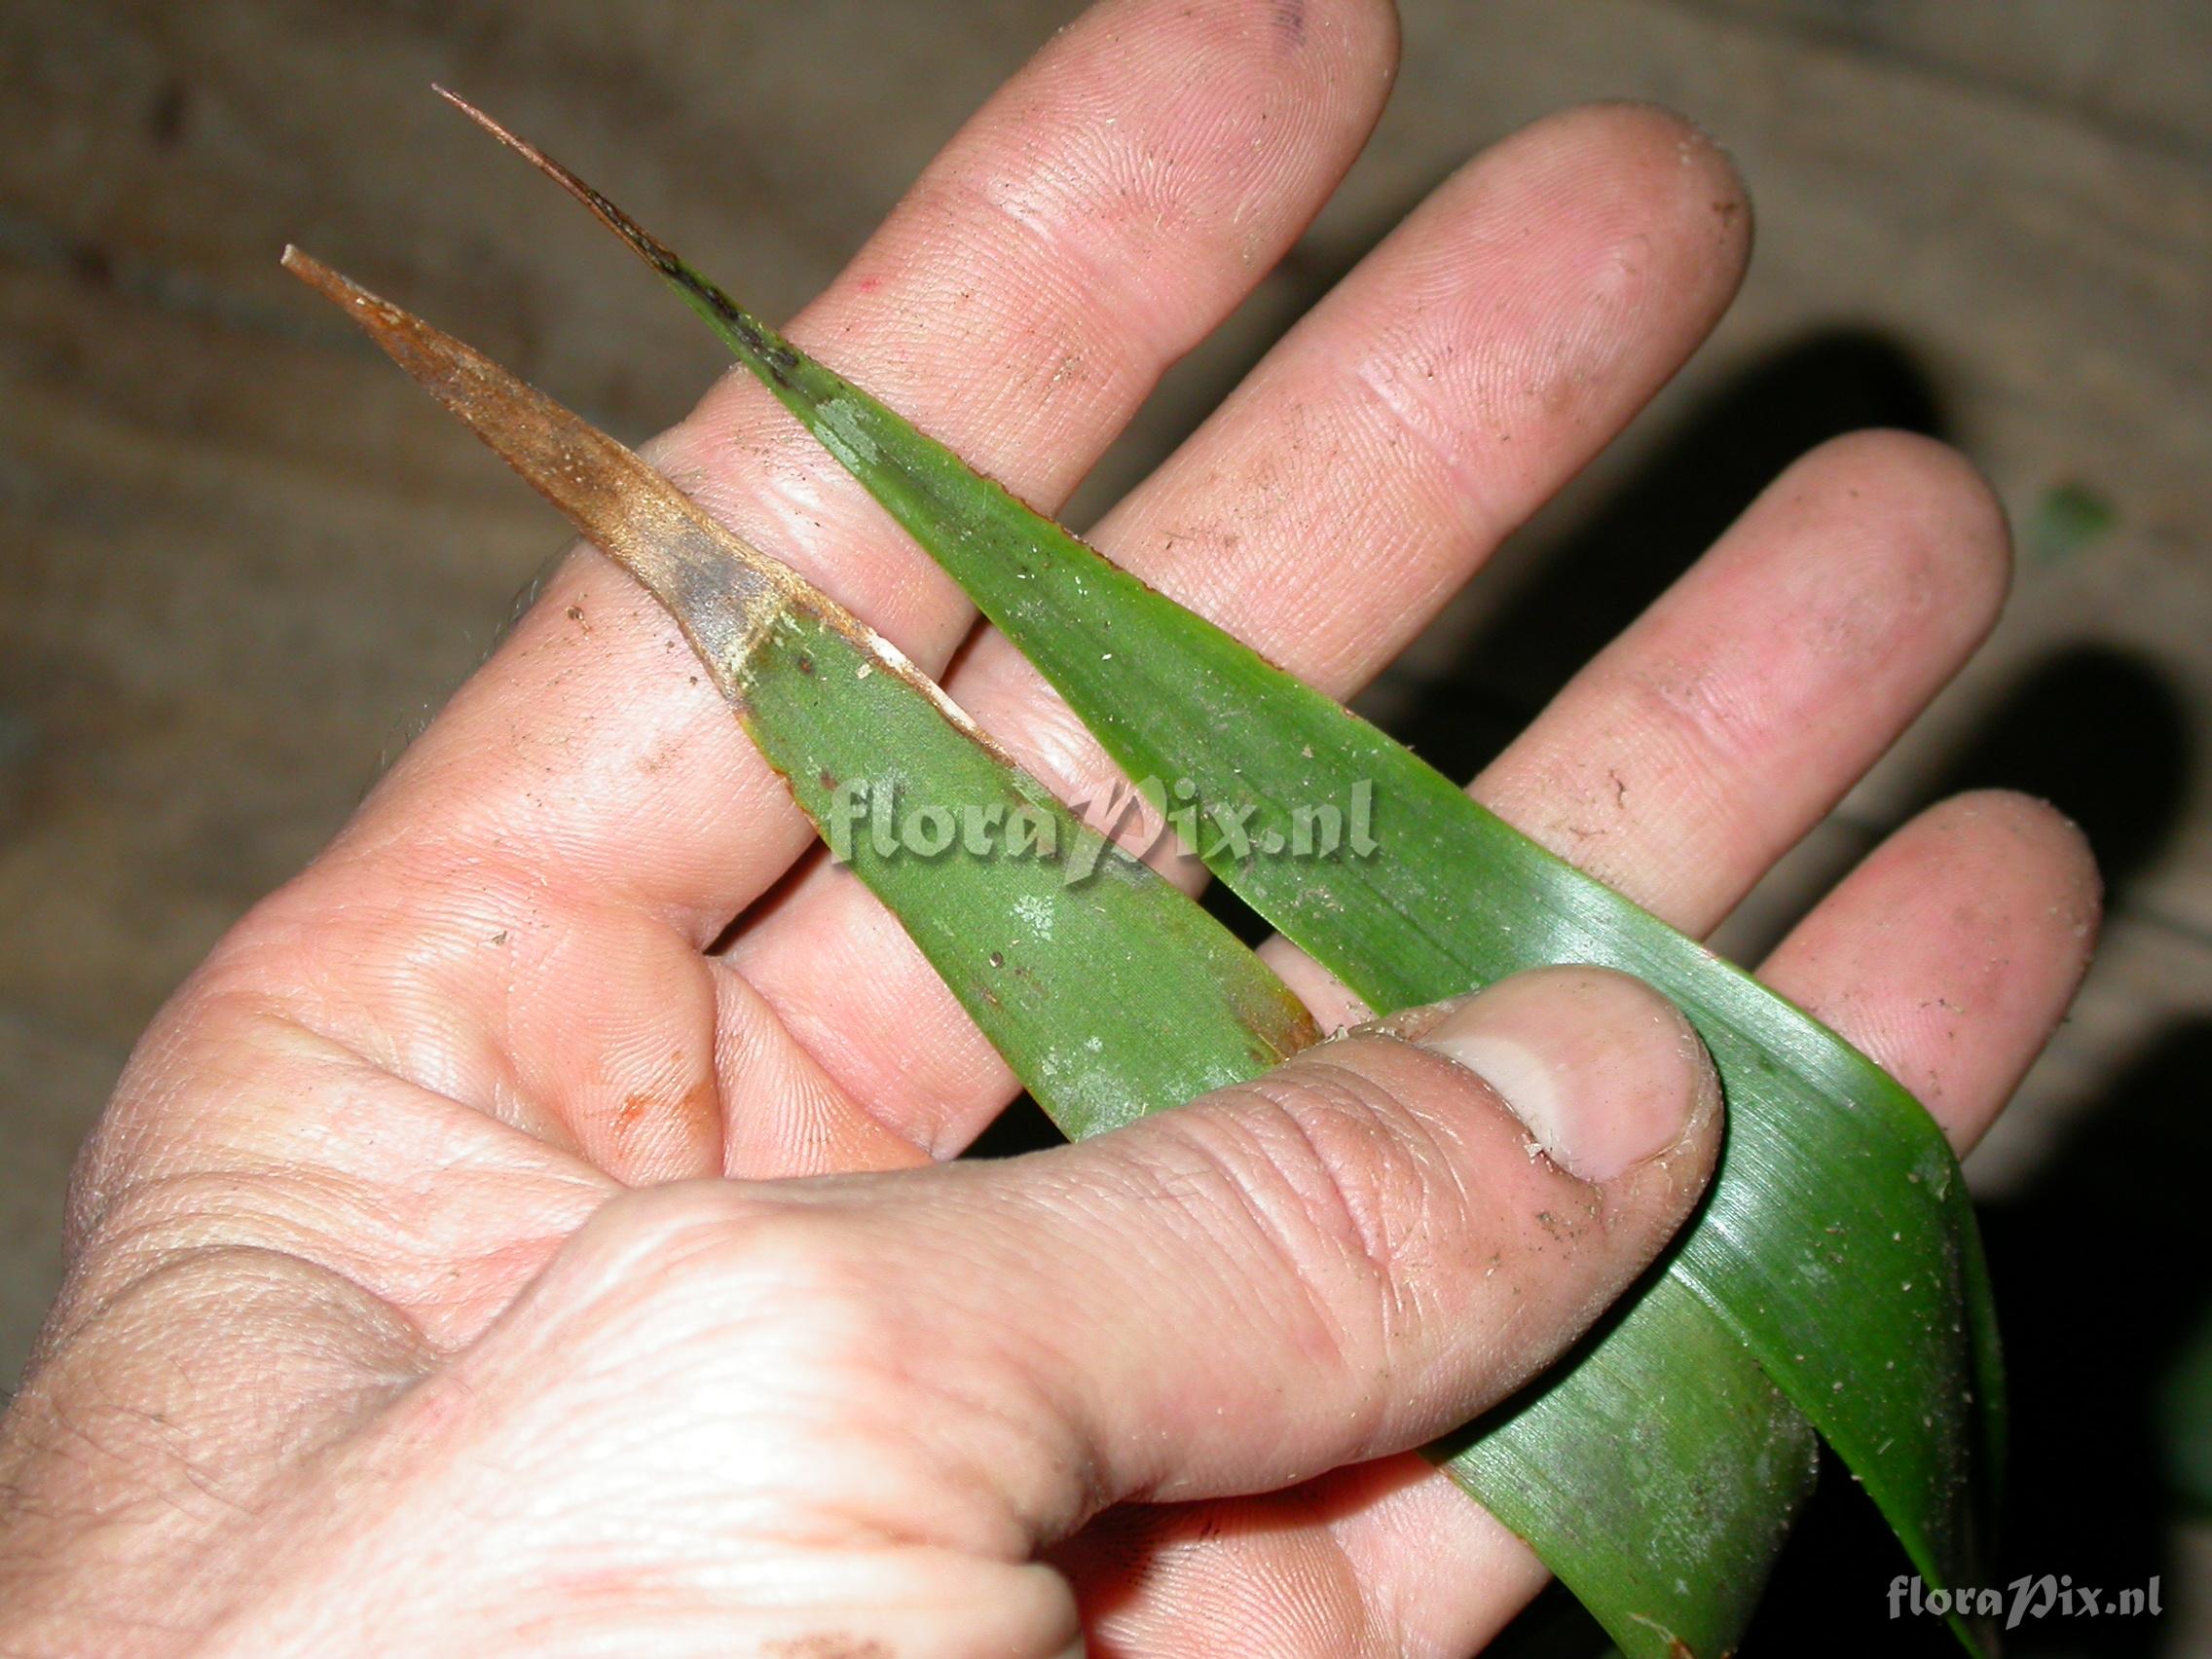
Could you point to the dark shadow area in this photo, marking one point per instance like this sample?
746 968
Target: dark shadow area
2102 1277
2100 734
2102 1282
2100 1268
1021 1128
1601 575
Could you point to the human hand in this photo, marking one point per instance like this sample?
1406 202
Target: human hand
841 1416
350 1159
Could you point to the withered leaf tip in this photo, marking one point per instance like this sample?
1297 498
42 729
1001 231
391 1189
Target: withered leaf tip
642 241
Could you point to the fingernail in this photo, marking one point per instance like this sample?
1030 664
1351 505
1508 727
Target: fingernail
1603 1071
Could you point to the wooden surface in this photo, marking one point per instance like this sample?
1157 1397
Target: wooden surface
240 560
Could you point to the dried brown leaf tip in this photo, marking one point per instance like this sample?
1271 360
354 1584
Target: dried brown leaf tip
642 241
724 592
648 247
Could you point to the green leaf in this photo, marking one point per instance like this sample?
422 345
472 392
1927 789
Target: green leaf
1836 1253
1657 1474
1057 955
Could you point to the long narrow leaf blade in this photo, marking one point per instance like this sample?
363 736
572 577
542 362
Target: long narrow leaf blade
1657 1474
1838 1245
1108 990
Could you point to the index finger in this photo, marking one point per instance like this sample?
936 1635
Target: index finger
1090 224
1096 220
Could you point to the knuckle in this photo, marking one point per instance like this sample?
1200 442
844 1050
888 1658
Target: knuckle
1335 1178
713 1261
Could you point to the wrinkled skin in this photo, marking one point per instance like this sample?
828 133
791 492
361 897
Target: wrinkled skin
399 1315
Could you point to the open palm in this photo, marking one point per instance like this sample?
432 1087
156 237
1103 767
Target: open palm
511 989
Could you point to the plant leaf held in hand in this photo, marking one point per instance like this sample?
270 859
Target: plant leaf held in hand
1838 1249
1057 955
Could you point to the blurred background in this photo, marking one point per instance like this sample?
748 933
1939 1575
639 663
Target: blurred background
241 560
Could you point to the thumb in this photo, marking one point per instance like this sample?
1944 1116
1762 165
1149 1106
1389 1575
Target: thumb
1348 1257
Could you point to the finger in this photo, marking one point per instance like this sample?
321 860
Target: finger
1950 955
586 807
1710 737
1342 1259
1466 369
1704 741
1089 225
1386 1557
